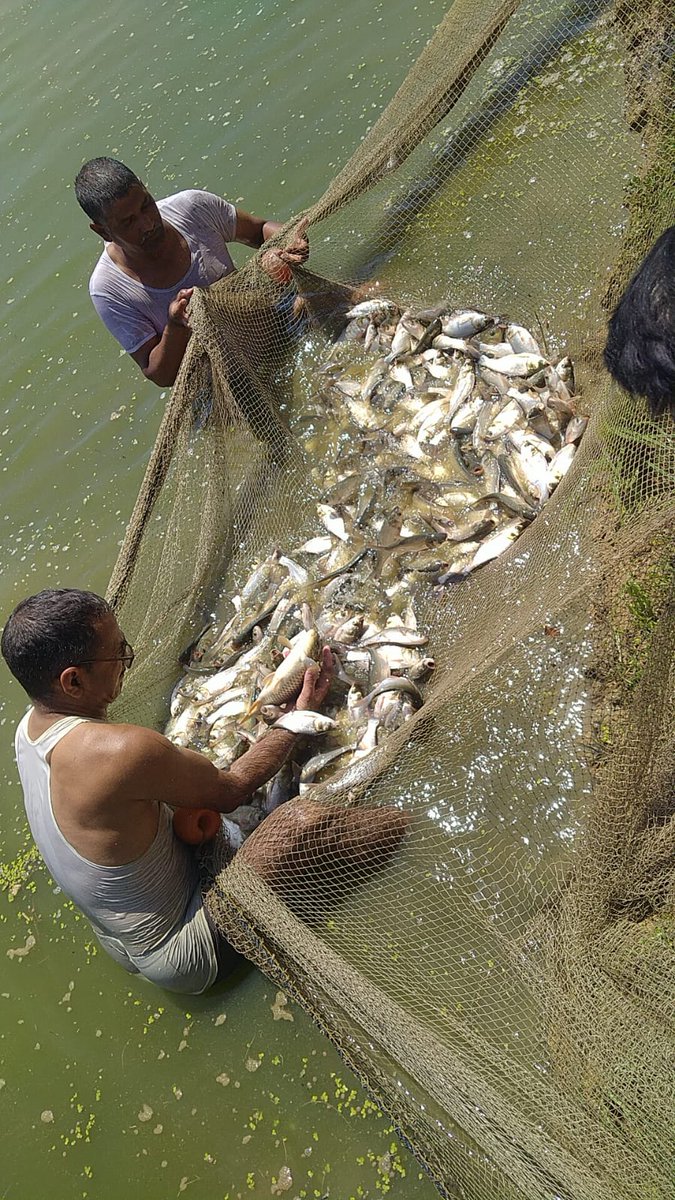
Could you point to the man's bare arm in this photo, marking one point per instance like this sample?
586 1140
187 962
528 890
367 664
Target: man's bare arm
254 231
160 357
139 764
131 763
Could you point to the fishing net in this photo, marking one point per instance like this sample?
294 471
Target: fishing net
505 986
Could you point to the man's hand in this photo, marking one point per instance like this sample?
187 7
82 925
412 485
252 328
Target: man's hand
277 263
316 683
297 251
178 308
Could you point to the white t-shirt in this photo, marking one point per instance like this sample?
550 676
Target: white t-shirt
135 313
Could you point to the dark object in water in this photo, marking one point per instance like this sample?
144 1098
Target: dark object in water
640 350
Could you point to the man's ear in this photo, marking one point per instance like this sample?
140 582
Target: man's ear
100 230
70 681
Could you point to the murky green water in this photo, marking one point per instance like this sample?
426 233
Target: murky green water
107 1087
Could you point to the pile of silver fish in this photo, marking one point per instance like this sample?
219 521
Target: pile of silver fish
456 436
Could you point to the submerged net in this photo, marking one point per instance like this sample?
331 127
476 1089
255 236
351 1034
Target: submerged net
506 986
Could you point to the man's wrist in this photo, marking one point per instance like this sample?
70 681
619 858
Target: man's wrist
172 323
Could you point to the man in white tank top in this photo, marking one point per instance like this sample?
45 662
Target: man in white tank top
156 253
100 796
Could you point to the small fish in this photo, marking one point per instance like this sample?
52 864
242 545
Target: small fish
496 543
375 377
188 653
515 365
465 323
512 504
422 668
377 309
230 704
560 465
443 342
348 631
411 447
316 545
532 466
285 682
494 349
471 529
279 789
509 416
575 429
522 438
521 340
368 739
394 683
401 374
565 372
297 573
432 331
348 387
259 579
333 521
395 636
401 343
314 766
190 717
462 388
305 722
466 416
362 414
410 545
371 336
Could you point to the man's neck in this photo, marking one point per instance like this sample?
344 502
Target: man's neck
49 711
162 267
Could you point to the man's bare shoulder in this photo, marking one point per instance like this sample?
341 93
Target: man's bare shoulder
127 747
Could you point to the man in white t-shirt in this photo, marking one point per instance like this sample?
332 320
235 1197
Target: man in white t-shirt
157 252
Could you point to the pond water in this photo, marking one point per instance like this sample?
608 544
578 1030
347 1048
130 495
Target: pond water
106 1086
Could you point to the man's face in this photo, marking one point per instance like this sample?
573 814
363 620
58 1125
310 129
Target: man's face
134 222
103 677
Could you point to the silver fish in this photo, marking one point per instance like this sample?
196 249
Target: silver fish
230 704
398 684
515 365
422 668
378 309
575 429
316 545
521 340
279 789
560 464
333 521
465 323
314 766
305 722
284 683
260 578
395 636
497 543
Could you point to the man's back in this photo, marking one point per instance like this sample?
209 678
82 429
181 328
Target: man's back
133 884
146 911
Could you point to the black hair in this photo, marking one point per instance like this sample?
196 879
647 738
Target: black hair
100 182
640 350
48 632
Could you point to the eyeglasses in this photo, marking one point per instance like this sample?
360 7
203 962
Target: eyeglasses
127 656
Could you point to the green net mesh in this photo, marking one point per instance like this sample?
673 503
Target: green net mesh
506 985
